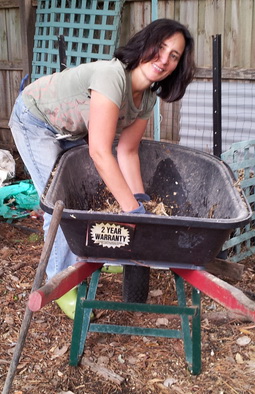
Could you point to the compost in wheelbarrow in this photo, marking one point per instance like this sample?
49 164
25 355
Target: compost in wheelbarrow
206 208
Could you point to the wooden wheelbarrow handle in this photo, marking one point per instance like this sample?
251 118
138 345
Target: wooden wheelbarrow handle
61 284
46 251
220 291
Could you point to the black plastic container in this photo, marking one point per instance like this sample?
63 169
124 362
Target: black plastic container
206 207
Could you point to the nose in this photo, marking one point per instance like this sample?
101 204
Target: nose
164 58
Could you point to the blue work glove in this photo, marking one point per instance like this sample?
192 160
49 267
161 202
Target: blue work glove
138 210
142 197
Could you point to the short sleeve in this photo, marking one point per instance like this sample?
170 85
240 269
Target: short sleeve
110 80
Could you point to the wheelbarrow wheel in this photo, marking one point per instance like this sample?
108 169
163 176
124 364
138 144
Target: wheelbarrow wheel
135 283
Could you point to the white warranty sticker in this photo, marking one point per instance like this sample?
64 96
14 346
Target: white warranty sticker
110 235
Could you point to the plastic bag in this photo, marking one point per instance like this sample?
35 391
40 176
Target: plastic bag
7 166
18 199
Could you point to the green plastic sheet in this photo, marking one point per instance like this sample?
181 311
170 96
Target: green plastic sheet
18 199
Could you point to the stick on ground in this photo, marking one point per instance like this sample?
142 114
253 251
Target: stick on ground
55 221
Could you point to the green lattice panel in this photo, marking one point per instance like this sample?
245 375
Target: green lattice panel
241 159
90 29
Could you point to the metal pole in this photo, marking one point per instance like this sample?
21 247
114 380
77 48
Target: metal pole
156 123
217 119
62 52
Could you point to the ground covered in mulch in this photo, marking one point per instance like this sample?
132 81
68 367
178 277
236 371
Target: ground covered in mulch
115 363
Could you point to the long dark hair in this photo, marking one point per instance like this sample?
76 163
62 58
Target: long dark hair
144 46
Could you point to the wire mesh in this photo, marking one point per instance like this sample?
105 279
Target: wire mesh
190 120
196 114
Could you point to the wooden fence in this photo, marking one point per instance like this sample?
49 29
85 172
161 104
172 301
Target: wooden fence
234 20
17 18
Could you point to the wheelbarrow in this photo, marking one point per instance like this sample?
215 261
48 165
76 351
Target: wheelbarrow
198 188
206 207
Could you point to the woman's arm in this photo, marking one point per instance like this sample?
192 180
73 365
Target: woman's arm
128 154
102 129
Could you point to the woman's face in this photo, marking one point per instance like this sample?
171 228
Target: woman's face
170 52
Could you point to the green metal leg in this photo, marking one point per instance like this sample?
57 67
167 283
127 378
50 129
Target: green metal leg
184 318
82 318
191 336
190 331
196 333
80 321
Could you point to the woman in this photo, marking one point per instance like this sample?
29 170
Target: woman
98 100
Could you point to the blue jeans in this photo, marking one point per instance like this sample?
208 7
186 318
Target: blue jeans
39 149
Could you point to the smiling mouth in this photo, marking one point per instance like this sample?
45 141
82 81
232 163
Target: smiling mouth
157 68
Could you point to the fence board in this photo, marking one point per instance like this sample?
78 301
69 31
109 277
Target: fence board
189 15
176 14
212 29
13 34
218 10
252 62
9 3
15 79
227 35
245 39
27 15
5 87
166 9
235 34
3 36
10 65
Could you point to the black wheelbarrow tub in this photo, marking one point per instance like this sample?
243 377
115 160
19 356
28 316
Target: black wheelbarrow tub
200 189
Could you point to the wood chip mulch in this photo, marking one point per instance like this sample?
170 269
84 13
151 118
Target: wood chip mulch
115 363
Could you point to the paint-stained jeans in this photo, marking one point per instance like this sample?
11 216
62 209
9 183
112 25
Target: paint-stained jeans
39 149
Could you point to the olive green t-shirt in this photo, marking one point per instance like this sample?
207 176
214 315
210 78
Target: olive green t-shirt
63 98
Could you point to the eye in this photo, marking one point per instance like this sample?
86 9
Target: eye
174 56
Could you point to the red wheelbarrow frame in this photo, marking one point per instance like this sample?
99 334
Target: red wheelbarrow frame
217 289
220 291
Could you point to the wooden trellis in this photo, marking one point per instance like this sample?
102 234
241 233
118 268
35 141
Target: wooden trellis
90 29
